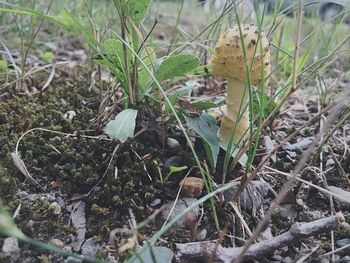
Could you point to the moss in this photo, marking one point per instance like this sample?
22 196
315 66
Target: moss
100 254
326 246
8 184
116 200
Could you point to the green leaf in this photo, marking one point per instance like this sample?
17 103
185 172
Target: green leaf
48 56
153 254
175 66
137 9
3 66
175 169
148 56
204 105
173 98
262 101
114 52
205 126
244 158
7 225
123 126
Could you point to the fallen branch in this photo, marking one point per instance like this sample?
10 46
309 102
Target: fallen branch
203 250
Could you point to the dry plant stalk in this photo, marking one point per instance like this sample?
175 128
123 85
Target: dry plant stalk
203 250
288 185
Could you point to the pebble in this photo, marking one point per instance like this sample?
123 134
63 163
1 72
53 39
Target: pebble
301 145
61 202
21 195
330 162
345 259
287 211
69 115
276 258
201 235
156 202
266 234
191 186
291 154
10 248
308 216
324 260
346 226
343 242
172 161
187 222
252 196
90 248
269 145
287 260
281 134
172 143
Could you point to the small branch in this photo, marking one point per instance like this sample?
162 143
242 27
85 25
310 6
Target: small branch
202 250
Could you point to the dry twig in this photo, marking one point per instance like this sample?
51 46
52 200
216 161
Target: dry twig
202 250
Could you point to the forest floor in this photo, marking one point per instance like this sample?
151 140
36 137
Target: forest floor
89 191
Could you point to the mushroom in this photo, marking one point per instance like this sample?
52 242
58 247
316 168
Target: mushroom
228 61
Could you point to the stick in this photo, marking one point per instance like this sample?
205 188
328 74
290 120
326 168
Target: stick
203 250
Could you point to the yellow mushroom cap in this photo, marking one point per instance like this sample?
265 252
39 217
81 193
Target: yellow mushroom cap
228 59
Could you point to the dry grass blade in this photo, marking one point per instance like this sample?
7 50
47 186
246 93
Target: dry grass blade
240 216
23 169
332 117
50 78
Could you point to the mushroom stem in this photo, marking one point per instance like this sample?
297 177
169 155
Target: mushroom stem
236 113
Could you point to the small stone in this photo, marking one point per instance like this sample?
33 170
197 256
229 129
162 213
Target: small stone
276 258
266 234
10 248
330 162
288 260
172 143
191 186
324 260
69 115
346 226
301 145
201 235
55 208
172 161
90 248
187 222
57 242
252 196
281 134
308 216
156 202
61 202
287 211
269 145
291 154
343 242
345 259
22 195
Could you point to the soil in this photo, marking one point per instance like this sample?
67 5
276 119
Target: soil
122 179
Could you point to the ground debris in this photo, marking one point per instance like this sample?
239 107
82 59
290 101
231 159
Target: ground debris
203 250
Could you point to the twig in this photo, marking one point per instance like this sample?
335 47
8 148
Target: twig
332 117
276 148
202 250
336 251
